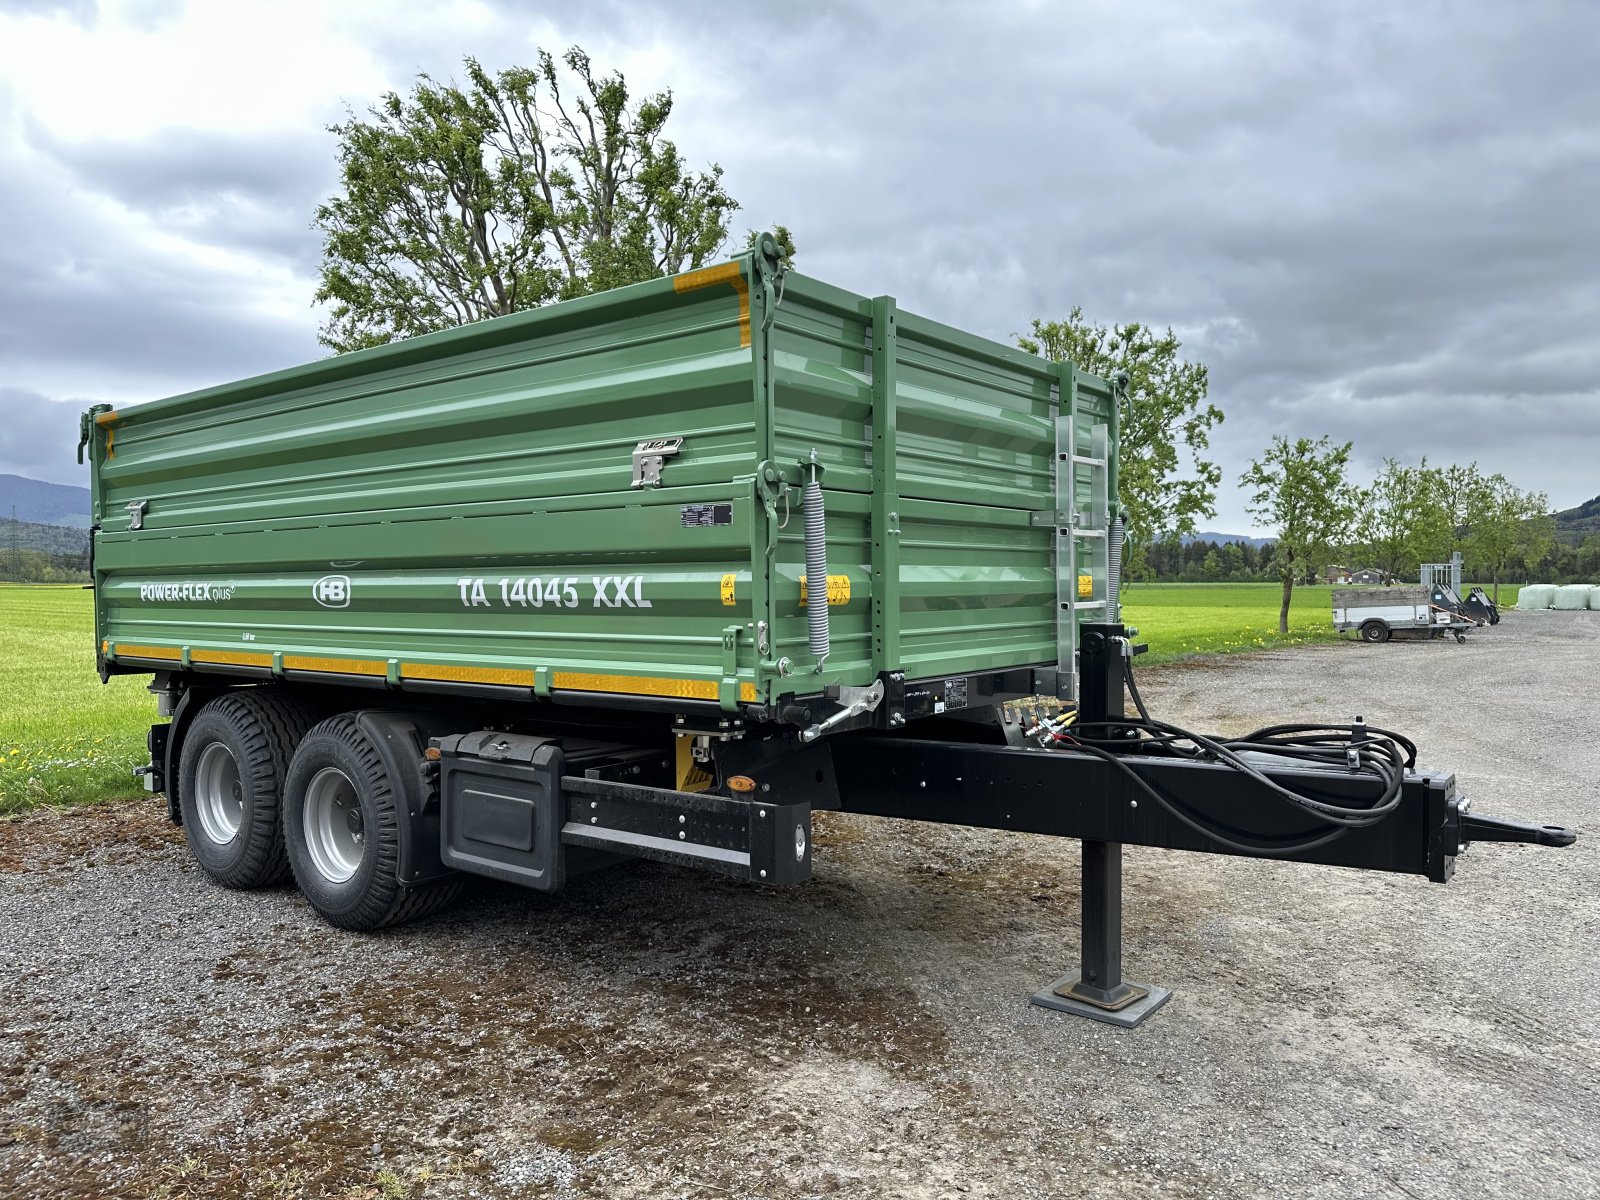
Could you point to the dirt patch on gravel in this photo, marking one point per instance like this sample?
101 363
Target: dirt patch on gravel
117 833
654 1032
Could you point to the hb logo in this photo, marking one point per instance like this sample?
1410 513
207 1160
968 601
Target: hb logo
332 591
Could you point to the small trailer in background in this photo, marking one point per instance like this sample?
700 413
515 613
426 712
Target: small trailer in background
1411 610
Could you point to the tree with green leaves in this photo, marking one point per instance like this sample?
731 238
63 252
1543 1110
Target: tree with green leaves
1405 518
1301 489
1164 410
1586 560
1502 524
523 187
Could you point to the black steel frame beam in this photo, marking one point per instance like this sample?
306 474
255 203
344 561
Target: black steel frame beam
1068 793
749 839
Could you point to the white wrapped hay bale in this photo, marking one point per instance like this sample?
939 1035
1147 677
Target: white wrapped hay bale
1536 595
1571 597
1594 598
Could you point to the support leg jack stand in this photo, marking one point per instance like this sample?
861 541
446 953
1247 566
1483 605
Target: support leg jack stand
1098 991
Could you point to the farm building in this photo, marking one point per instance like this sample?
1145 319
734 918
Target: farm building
1355 575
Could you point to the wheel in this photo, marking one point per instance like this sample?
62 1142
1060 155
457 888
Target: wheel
231 770
342 832
1374 631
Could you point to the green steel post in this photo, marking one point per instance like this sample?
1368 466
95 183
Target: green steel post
92 438
758 268
885 489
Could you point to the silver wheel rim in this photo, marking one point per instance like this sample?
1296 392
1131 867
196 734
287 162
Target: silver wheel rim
334 829
218 794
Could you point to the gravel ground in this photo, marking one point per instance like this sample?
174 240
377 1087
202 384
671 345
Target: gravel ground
661 1033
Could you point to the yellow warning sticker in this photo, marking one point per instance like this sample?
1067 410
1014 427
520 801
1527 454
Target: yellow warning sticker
838 590
727 588
1085 586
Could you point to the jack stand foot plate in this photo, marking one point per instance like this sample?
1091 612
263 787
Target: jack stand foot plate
1126 1017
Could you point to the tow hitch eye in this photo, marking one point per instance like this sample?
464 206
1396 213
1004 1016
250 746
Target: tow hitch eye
1477 827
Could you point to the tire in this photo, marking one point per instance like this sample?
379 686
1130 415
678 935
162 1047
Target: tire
1374 631
231 770
342 832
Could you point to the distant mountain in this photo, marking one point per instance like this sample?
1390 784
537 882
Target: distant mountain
51 539
1575 524
1223 539
44 503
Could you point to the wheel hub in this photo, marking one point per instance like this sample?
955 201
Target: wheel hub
218 793
333 825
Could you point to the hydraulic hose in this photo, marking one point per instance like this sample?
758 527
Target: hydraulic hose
816 568
1359 747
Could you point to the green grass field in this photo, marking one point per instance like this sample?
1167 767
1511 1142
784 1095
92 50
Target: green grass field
64 738
1183 619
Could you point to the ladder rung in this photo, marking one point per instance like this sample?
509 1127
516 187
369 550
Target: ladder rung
1089 604
1088 533
1084 460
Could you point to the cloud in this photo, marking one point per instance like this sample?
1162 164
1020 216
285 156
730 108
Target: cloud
1373 221
38 437
253 191
103 300
82 11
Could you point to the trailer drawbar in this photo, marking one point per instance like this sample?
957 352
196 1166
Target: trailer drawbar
657 574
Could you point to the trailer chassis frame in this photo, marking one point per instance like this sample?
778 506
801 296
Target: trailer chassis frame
544 814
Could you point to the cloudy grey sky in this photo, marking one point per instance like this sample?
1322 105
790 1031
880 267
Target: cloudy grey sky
1376 221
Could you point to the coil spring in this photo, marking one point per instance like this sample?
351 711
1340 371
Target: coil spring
1119 534
816 569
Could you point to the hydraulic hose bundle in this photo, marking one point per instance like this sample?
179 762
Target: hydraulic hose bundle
1357 748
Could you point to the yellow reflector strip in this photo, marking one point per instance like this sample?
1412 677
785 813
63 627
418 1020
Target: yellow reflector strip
1085 586
729 273
635 685
508 676
334 666
576 681
838 589
640 685
165 653
237 658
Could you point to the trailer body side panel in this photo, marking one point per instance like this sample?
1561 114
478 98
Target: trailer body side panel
467 508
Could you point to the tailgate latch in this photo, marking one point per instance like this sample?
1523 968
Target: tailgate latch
648 457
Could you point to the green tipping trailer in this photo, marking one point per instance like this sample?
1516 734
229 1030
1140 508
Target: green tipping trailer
605 500
657 573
